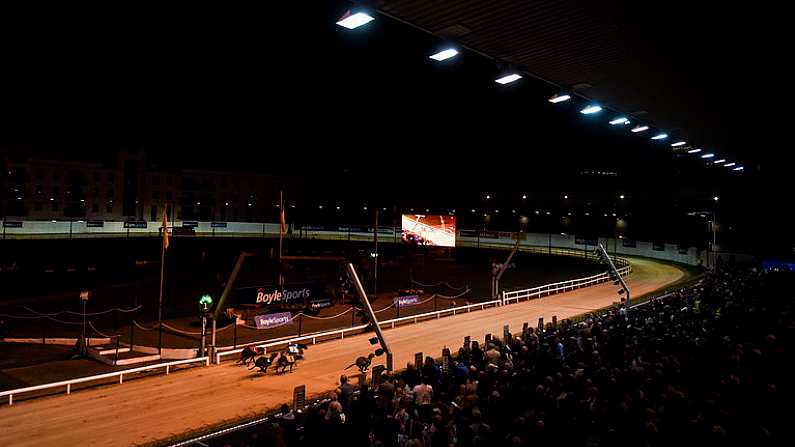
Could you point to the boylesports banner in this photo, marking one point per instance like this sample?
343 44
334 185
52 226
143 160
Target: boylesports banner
275 295
406 301
269 321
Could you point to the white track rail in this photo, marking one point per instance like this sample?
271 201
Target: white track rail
120 374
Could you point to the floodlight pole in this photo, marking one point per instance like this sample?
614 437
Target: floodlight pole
495 281
373 319
612 267
220 307
375 269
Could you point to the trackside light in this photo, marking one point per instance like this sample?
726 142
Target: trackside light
640 128
660 136
717 162
738 168
708 155
352 21
729 165
678 143
694 151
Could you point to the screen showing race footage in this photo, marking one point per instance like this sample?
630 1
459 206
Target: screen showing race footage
429 230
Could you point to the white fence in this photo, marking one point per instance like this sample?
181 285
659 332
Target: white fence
68 383
563 286
226 352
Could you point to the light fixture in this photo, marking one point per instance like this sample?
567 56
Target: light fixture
694 151
524 196
738 168
729 165
559 98
715 198
566 197
717 162
226 203
488 196
352 21
621 197
660 136
320 207
678 143
51 199
444 54
639 128
507 79
338 207
619 120
591 110
708 155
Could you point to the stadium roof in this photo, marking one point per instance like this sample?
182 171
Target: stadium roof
691 69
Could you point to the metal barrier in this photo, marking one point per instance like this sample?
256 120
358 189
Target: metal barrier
562 286
68 383
341 332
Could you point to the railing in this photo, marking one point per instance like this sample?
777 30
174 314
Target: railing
68 383
547 289
341 332
565 286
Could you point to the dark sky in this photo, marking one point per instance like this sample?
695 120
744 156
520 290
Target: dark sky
282 89
256 87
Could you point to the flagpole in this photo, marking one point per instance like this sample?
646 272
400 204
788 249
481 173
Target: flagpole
162 271
281 235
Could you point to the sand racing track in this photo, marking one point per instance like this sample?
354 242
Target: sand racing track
150 409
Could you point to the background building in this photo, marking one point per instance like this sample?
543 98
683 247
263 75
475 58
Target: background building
131 189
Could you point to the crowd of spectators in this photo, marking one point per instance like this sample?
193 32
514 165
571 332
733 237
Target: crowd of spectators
705 365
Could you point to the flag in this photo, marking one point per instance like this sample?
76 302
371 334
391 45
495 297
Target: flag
165 227
282 222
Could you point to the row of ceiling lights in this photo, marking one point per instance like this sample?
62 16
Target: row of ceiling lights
355 20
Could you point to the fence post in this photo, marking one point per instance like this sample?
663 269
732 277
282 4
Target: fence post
132 333
234 336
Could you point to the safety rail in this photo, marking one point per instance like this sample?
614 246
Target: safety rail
341 332
506 299
68 383
562 286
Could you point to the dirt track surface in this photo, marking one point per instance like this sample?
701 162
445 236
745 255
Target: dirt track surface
151 409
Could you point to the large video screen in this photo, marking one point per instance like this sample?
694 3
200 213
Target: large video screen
429 230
